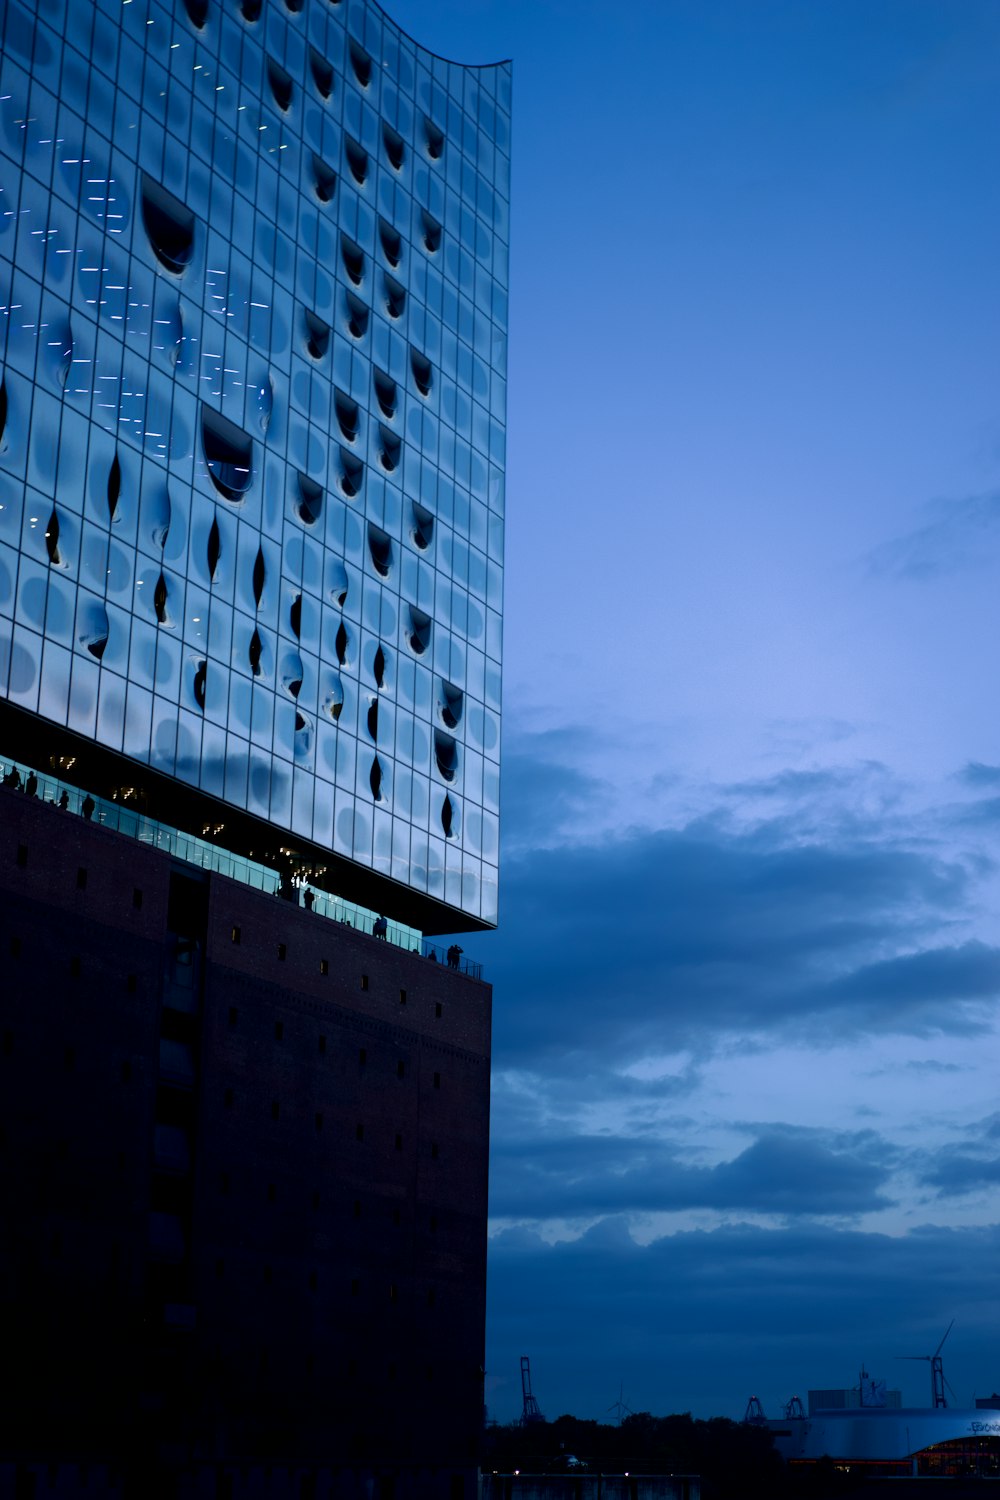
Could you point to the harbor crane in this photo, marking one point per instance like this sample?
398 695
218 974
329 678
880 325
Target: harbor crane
531 1411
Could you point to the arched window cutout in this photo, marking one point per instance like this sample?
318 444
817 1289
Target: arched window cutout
357 316
114 486
338 583
255 652
293 5
431 230
434 137
92 627
452 703
281 84
353 257
259 574
250 9
295 616
317 335
391 447
160 600
419 635
292 674
214 549
322 72
228 453
309 504
348 414
375 780
385 392
392 242
380 547
423 372
446 755
373 719
352 474
200 677
378 667
393 142
52 538
395 297
169 226
357 159
341 643
360 62
423 527
334 701
197 12
324 179
448 818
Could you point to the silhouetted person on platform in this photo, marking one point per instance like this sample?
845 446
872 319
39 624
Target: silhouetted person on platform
287 890
381 928
13 778
88 807
432 956
308 899
454 954
31 785
63 800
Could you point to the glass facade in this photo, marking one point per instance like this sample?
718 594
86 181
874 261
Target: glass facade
253 284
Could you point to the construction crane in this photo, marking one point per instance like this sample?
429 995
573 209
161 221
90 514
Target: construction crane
531 1411
938 1381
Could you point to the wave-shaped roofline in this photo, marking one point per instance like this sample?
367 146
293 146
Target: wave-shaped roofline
501 62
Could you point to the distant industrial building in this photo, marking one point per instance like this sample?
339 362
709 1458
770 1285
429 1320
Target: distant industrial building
253 269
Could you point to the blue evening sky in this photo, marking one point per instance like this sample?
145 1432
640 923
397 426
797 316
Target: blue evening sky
746 1116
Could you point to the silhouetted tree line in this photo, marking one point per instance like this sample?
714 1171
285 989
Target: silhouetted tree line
735 1460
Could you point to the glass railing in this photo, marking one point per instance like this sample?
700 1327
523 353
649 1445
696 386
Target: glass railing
195 851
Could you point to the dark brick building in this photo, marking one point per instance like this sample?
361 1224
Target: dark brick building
244 1170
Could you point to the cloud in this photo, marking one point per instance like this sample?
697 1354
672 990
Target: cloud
958 535
651 941
699 1320
783 1172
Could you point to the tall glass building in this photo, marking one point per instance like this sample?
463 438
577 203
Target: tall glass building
253 279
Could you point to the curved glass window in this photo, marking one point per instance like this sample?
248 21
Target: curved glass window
228 454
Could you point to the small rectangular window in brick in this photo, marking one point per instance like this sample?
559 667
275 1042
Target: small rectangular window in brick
399 1142
363 1056
282 950
81 879
227 1098
224 1184
137 898
235 935
364 981
324 966
355 1287
132 983
126 1071
15 947
275 1110
402 997
22 856
234 1016
359 1132
313 1281
357 1208
322 1043
437 1080
74 967
401 1069
272 1192
220 1269
393 1293
437 1009
434 1150
279 1030
319 1120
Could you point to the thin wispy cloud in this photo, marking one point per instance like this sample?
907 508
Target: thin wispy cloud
958 535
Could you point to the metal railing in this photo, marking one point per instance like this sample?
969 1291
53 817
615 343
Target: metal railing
196 851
